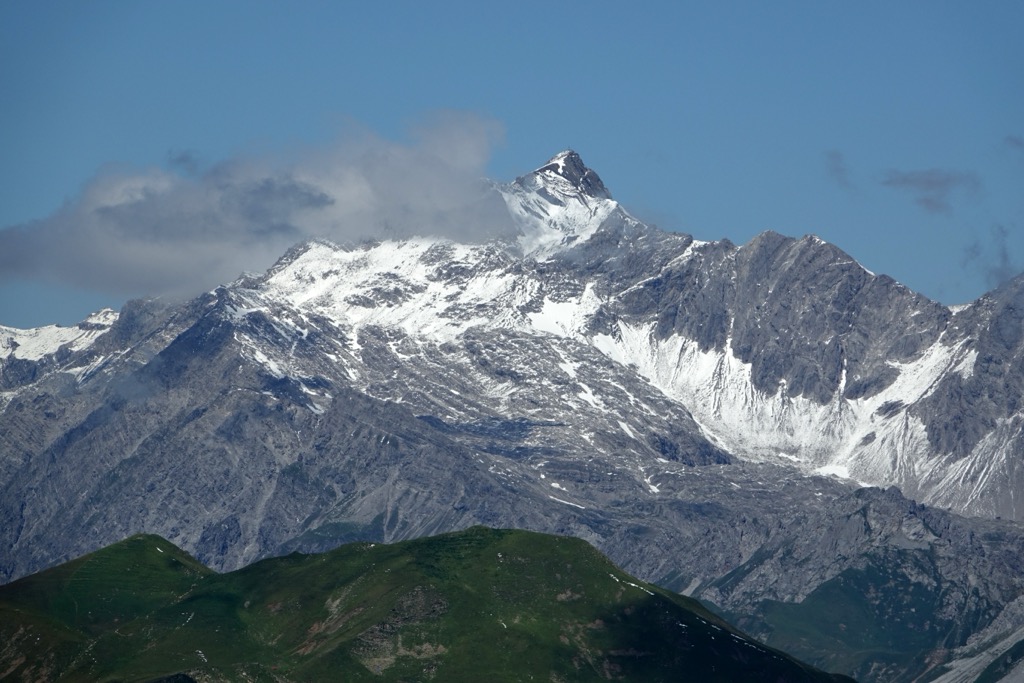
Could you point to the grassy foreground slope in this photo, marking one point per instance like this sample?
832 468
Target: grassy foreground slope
480 604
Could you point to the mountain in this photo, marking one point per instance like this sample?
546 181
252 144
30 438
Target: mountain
479 604
706 414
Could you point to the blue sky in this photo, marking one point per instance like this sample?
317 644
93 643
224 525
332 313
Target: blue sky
893 130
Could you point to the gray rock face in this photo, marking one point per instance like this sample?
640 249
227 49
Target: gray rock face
975 403
570 167
674 402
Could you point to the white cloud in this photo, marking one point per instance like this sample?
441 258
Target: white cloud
158 231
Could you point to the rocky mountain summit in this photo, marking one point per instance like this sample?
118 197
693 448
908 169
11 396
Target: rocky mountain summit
706 414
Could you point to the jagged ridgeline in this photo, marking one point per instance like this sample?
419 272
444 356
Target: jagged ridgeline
769 428
477 605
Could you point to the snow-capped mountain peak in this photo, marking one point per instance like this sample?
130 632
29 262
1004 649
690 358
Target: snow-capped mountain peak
560 204
568 167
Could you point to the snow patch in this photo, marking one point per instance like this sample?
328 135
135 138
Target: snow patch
566 318
39 342
840 471
565 502
586 394
551 214
965 367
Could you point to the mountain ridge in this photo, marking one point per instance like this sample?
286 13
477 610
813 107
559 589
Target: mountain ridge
591 376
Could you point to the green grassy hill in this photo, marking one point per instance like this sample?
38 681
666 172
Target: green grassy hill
481 604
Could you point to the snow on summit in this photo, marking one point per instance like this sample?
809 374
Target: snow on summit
568 167
38 342
560 204
433 288
428 287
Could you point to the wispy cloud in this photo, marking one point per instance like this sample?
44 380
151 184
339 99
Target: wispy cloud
993 259
185 161
1015 145
835 167
179 230
932 189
